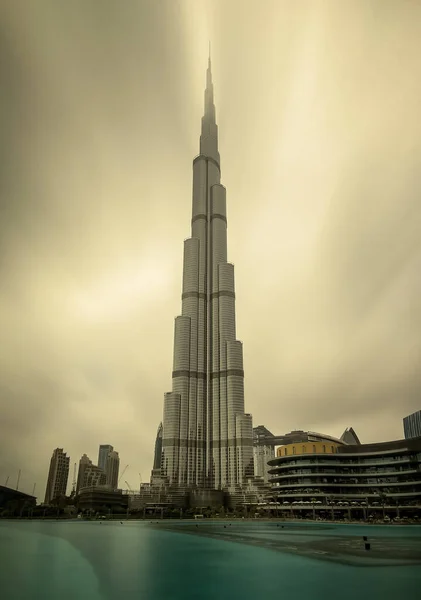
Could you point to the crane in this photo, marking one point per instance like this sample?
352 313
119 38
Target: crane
124 470
128 485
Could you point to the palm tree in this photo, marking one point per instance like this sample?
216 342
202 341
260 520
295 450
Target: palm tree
383 499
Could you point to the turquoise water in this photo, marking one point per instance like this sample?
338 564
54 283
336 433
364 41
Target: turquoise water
92 561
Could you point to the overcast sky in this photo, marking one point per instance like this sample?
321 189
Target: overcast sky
318 107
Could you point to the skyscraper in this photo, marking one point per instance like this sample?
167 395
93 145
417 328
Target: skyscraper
412 425
156 473
58 475
158 449
207 437
111 469
104 450
84 463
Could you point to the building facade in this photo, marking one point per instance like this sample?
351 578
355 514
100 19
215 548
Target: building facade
156 473
354 476
58 475
112 467
261 456
93 476
102 499
158 449
262 451
89 475
103 453
207 437
15 501
350 437
412 425
84 463
263 437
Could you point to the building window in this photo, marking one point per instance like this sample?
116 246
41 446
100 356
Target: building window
333 449
304 449
314 449
286 451
324 448
293 449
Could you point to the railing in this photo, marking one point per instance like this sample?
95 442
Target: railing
322 459
336 473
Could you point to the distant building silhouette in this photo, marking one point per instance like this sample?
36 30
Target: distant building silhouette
412 425
207 440
104 451
58 475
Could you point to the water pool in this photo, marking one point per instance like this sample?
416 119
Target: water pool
109 560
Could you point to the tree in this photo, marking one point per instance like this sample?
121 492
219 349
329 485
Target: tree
383 500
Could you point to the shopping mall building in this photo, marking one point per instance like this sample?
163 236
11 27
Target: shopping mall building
331 479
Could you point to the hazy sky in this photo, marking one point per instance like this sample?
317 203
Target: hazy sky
318 107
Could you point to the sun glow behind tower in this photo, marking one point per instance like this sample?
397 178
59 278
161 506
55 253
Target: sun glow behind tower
207 437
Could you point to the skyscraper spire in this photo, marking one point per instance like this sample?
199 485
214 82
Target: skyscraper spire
207 437
209 135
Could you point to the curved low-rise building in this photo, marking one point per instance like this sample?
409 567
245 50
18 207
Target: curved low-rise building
352 476
265 442
263 437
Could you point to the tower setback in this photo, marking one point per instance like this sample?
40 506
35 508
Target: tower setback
207 439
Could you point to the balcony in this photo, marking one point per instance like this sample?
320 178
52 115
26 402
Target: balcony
321 459
339 473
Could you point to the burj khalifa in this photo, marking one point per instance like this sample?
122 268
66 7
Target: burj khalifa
207 440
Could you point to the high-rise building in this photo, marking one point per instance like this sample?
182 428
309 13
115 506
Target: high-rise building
158 449
111 469
412 425
104 450
84 462
207 440
156 473
57 475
